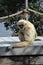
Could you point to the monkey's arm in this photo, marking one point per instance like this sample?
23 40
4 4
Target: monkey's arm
21 36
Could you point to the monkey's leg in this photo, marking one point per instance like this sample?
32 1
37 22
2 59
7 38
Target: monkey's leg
21 44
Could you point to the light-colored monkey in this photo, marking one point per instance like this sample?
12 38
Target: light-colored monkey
27 33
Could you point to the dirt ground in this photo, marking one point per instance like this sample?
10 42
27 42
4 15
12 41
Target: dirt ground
7 61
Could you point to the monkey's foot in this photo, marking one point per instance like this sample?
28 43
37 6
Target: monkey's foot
9 48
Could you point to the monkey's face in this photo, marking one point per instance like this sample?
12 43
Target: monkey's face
21 24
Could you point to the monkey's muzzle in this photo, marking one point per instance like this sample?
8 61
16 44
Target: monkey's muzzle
21 26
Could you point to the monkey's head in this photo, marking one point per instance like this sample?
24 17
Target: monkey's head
21 23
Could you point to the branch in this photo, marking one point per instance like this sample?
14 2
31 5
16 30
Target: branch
35 11
20 12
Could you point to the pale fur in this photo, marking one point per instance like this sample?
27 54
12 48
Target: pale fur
27 35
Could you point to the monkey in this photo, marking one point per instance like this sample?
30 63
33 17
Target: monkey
27 33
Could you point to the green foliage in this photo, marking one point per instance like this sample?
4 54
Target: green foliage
36 18
8 7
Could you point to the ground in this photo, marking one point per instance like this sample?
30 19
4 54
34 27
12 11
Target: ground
7 61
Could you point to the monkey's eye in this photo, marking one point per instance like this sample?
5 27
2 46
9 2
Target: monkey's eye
21 26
